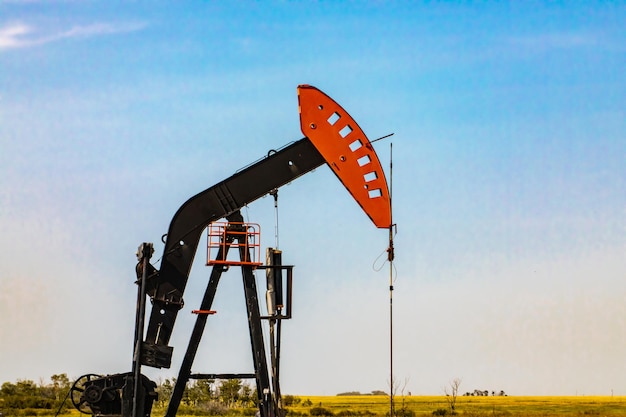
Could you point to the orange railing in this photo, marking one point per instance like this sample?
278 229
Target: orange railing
242 239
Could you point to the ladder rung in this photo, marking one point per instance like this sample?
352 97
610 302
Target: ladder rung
203 312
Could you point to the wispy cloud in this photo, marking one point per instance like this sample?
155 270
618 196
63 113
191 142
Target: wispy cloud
19 35
10 36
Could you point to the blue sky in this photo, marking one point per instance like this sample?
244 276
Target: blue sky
509 185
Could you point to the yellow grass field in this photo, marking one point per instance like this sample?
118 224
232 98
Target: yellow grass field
468 406
422 406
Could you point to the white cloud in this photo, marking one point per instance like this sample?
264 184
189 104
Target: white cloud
97 29
10 36
19 35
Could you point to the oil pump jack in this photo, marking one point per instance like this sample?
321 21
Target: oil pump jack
332 137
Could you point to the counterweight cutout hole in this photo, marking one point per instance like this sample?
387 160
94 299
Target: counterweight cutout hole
375 193
345 131
364 160
333 118
356 145
370 176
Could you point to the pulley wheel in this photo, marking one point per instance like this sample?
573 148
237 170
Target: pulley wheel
82 394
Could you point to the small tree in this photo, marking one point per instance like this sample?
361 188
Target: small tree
164 391
229 391
248 395
199 391
452 393
403 411
60 385
59 389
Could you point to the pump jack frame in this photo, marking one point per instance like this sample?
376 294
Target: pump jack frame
332 137
268 389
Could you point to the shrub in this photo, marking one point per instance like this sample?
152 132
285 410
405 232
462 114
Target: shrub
295 413
214 408
289 400
320 411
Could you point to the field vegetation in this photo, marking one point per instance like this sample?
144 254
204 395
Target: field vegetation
233 398
510 406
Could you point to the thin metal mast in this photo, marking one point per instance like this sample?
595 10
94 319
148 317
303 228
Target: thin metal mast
390 257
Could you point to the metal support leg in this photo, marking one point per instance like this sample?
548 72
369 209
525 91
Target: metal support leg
196 336
263 386
144 253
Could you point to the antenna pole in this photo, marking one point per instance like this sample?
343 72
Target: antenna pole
390 257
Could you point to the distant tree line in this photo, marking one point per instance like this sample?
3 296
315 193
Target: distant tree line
27 398
209 397
375 392
485 393
201 397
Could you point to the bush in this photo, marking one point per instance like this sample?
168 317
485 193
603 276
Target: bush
440 412
295 413
209 408
320 411
358 413
289 400
214 408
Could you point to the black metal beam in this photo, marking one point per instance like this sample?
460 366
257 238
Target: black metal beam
222 376
167 287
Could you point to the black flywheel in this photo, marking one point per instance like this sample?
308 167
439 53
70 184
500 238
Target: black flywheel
83 394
